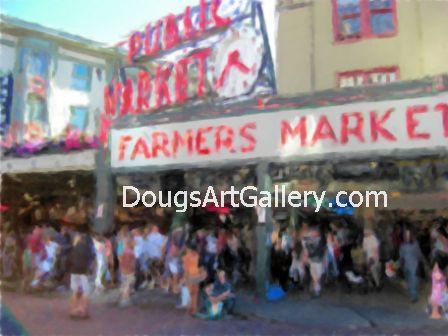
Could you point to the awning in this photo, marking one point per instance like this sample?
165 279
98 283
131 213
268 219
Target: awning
84 160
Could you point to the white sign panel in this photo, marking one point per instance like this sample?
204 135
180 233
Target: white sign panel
360 127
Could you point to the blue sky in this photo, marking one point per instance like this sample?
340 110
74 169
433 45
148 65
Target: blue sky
100 20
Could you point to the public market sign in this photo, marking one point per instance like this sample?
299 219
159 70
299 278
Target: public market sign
386 126
217 50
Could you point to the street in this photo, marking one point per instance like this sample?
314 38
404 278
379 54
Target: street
154 313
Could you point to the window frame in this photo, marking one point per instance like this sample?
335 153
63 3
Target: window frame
88 78
365 15
365 73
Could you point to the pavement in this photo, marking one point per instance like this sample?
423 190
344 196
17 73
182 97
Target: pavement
388 312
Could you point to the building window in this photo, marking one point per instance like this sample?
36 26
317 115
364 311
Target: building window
36 110
79 117
81 77
357 19
375 76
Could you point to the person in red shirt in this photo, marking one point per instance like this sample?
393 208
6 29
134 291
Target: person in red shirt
127 267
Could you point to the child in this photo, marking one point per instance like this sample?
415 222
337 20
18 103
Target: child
437 291
127 266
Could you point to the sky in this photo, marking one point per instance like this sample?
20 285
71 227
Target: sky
107 21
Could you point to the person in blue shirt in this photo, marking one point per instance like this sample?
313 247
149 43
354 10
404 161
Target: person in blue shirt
223 289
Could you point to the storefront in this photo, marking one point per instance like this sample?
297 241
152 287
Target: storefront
205 114
399 146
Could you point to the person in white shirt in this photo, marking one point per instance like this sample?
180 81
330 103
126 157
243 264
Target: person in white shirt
100 257
371 248
155 245
141 258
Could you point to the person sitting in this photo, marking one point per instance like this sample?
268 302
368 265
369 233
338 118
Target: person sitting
212 304
222 292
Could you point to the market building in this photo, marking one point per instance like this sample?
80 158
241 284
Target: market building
357 43
196 104
195 101
376 46
51 87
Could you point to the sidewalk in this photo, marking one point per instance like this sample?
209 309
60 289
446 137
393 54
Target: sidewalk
388 309
335 311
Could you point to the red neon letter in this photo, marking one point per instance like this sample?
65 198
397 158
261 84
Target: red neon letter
323 131
300 129
412 123
201 56
202 15
140 148
200 141
111 93
219 21
178 140
226 140
160 145
248 136
377 128
126 98
443 107
152 39
355 130
105 123
135 46
124 139
188 25
143 91
171 33
181 82
161 89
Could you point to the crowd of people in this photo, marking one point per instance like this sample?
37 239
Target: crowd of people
318 254
203 265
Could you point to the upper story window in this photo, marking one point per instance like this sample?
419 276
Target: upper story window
81 77
357 19
375 76
79 117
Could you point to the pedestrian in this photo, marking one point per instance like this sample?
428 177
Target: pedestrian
36 245
140 255
127 265
280 264
155 246
437 291
64 240
410 257
440 235
80 259
101 262
332 253
172 260
297 268
371 248
27 268
315 246
192 277
210 258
